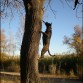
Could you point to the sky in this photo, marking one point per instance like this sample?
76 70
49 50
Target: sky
63 23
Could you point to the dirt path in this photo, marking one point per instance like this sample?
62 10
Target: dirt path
46 78
41 75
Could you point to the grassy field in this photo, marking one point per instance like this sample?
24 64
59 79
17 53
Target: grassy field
7 80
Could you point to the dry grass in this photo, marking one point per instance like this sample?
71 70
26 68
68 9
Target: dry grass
6 80
9 81
59 76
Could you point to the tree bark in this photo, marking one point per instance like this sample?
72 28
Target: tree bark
30 44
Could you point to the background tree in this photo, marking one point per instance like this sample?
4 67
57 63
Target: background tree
19 36
76 40
11 44
3 41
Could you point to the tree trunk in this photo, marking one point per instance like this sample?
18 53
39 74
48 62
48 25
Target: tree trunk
30 44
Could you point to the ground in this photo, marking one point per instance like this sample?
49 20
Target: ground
8 77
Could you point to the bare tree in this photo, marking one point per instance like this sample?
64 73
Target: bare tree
19 36
3 41
11 44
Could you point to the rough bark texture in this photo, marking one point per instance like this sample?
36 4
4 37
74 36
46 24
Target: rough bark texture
30 44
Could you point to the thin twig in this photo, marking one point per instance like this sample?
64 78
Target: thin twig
52 11
77 12
62 2
47 5
68 4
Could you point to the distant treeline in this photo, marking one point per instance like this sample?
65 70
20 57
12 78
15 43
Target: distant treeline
60 64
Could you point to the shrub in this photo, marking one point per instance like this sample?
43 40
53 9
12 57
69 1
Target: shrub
9 63
13 68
